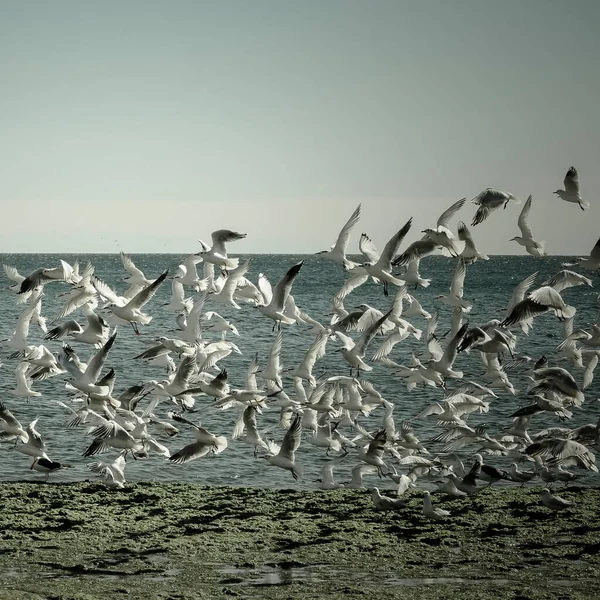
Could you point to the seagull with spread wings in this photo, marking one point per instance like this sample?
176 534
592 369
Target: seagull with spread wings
571 191
337 252
526 240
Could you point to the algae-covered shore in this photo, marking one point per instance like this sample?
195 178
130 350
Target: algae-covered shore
175 540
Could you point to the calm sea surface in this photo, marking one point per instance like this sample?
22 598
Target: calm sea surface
488 285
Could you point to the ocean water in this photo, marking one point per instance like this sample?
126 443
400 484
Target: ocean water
488 285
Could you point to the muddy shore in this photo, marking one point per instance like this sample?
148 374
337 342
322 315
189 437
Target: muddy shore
180 540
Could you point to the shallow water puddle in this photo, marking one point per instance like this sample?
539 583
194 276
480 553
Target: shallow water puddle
287 574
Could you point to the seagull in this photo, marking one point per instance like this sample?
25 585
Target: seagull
95 333
591 262
565 279
489 200
372 454
470 254
225 294
526 239
455 297
284 457
11 426
274 300
217 254
327 481
206 443
337 252
23 389
381 268
354 352
554 503
41 276
35 445
247 422
136 277
112 474
539 301
385 502
571 191
519 476
44 465
315 352
85 380
131 311
432 512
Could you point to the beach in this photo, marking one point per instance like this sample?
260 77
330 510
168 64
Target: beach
181 540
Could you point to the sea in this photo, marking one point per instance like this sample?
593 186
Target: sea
488 285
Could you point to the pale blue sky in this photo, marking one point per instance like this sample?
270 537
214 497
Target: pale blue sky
142 125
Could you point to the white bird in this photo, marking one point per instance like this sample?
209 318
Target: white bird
11 426
381 268
470 254
18 339
206 443
41 276
432 512
273 301
354 352
571 192
113 473
284 457
217 254
490 200
135 277
539 301
526 240
95 333
13 274
226 294
247 422
23 389
591 262
131 311
315 352
86 380
386 503
565 279
327 481
554 503
337 252
455 297
35 445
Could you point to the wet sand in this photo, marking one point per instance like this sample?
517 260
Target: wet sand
83 540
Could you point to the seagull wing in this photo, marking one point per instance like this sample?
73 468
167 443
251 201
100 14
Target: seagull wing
571 181
292 439
522 222
415 251
458 280
391 248
595 253
97 362
342 241
221 237
447 215
130 267
368 248
519 292
144 296
284 287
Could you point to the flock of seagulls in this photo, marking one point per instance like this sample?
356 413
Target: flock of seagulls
342 416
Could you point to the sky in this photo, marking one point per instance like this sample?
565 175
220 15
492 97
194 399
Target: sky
144 126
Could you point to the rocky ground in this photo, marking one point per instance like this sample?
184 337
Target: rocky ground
151 540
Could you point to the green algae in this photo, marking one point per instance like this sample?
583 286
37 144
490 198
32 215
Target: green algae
176 540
